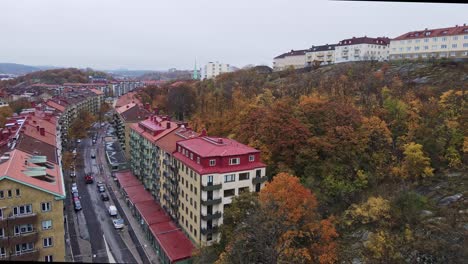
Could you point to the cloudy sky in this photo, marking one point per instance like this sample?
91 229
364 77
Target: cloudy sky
161 34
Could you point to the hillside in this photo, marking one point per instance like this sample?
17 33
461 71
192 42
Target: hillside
383 146
16 69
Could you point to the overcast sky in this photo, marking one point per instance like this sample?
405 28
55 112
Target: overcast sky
161 34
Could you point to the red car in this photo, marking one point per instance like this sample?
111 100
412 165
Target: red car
89 178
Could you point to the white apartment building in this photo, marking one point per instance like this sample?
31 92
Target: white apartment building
324 54
294 58
362 49
213 69
431 43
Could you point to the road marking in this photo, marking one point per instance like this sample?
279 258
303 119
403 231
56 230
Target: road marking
109 253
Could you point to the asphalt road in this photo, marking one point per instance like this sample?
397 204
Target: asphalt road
94 222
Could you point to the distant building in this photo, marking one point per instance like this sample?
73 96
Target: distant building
449 42
213 69
3 103
321 55
294 58
362 49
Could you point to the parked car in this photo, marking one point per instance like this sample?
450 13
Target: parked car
104 197
94 141
77 205
118 223
74 187
76 196
72 173
112 210
89 178
100 187
78 141
93 154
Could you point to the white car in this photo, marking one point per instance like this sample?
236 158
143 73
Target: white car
118 223
112 210
78 141
72 173
74 187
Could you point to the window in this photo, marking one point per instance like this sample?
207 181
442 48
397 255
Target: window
24 247
434 39
426 40
2 194
229 178
195 190
191 155
9 194
426 47
23 209
243 190
1 213
416 48
465 45
47 242
195 219
418 40
209 237
179 148
191 187
454 45
453 54
210 179
409 41
244 176
198 160
2 232
234 161
434 47
46 207
48 258
443 46
18 192
22 229
47 224
252 158
195 204
408 48
212 162
2 252
455 38
229 193
444 39
401 49
191 215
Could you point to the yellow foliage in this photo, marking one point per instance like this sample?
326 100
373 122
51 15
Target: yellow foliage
373 210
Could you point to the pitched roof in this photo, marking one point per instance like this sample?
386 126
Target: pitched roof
127 179
322 48
126 99
35 146
152 212
53 104
364 40
292 53
168 142
437 32
176 245
137 194
133 112
216 147
152 127
46 179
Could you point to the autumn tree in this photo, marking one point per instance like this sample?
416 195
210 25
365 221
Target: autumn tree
181 101
416 164
5 112
285 228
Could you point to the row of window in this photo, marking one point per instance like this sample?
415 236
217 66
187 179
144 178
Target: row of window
434 47
9 193
187 226
212 162
27 228
409 41
27 209
27 247
426 55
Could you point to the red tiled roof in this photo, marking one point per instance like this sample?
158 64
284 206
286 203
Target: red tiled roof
437 32
55 105
15 167
151 125
96 91
364 40
216 169
31 129
168 142
163 227
126 99
152 212
127 179
176 245
216 147
137 194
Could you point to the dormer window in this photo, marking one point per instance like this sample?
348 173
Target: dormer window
198 160
212 162
234 161
252 158
191 156
179 148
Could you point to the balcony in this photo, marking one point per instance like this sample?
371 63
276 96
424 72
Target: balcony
24 238
22 219
210 230
211 187
211 201
208 217
32 255
259 180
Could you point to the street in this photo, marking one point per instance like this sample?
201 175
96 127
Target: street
92 234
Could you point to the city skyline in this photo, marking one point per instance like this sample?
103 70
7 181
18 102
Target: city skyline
158 36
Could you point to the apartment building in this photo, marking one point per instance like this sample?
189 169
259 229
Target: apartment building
449 42
321 55
32 191
294 58
211 172
362 49
213 69
123 117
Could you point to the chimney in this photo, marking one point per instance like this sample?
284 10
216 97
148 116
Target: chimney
128 106
220 140
37 128
42 131
203 133
168 125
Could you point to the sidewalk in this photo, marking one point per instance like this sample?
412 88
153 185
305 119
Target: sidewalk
147 253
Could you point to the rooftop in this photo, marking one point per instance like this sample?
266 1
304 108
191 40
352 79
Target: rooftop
137 194
216 147
322 48
292 53
176 245
437 32
127 179
152 212
364 40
